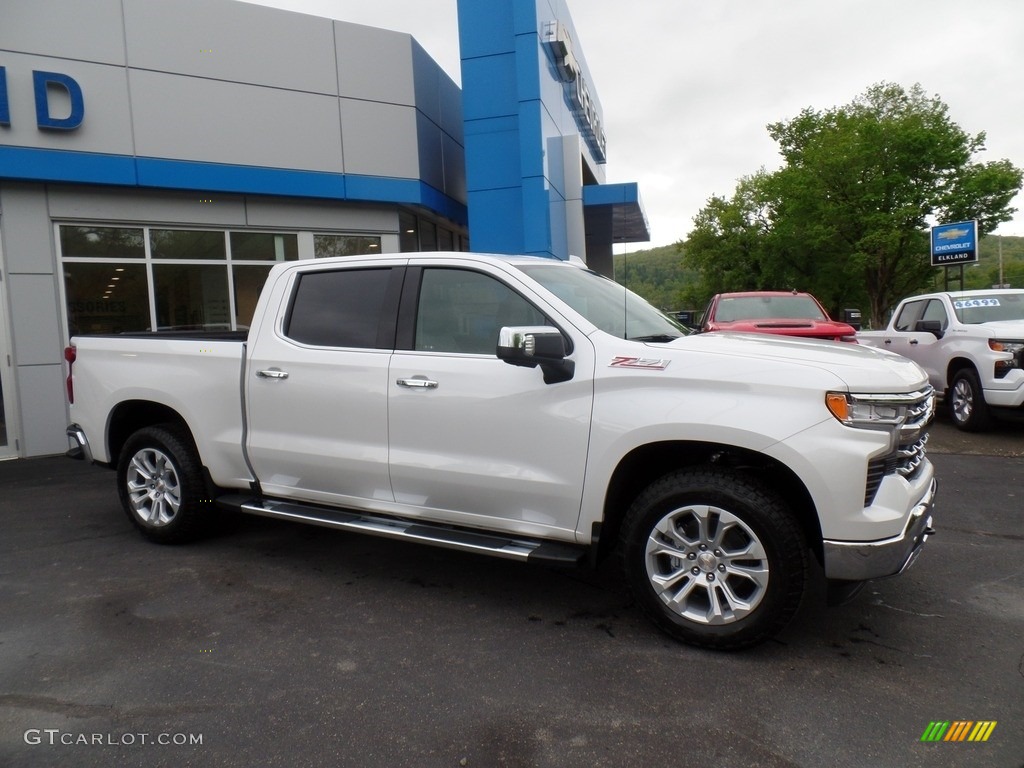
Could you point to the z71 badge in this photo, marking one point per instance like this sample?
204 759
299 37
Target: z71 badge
647 363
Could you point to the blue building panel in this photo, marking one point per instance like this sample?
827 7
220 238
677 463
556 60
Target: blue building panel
611 194
486 28
434 200
528 68
32 164
497 156
526 14
499 212
492 80
556 101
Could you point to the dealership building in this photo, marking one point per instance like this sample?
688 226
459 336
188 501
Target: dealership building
157 157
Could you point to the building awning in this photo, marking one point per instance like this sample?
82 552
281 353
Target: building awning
614 213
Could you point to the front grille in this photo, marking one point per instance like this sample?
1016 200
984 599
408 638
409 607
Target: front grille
908 457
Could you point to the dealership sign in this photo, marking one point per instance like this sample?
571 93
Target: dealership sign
955 244
42 84
585 111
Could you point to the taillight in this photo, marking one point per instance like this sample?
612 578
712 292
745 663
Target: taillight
69 355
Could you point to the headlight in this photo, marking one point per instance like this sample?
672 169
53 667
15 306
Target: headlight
866 411
1013 347
1002 367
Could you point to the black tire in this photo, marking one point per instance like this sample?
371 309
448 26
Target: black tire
160 482
729 582
966 402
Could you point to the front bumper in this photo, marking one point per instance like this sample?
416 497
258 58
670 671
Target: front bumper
78 444
863 560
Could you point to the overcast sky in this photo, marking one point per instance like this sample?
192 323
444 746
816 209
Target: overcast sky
688 87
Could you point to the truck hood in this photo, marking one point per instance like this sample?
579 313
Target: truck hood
862 369
814 329
1006 329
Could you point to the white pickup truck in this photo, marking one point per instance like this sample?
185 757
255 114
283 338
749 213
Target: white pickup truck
971 343
525 408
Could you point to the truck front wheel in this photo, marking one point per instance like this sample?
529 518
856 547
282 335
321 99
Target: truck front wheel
160 483
967 407
714 558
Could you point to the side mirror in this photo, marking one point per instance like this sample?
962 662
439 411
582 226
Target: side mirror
929 326
536 345
852 318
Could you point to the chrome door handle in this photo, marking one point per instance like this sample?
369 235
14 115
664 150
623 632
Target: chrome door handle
417 382
272 373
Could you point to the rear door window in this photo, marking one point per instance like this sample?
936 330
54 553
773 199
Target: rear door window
344 308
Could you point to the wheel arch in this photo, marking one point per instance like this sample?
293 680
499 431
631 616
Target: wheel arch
647 463
957 364
132 415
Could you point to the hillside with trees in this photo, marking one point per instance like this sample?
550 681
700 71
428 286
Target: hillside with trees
658 275
661 276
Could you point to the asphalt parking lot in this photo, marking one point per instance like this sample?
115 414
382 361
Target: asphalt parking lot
272 644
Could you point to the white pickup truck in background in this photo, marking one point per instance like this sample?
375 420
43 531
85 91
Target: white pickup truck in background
971 343
525 408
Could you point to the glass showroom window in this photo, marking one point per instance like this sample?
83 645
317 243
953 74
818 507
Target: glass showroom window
408 232
252 256
428 235
263 246
187 244
103 242
190 296
144 278
247 280
109 293
325 246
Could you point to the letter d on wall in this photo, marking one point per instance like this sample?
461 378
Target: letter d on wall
5 110
42 81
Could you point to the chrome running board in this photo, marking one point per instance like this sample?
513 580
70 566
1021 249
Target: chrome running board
494 544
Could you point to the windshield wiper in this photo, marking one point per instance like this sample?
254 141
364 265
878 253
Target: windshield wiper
658 338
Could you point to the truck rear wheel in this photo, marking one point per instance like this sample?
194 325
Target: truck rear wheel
714 558
966 399
160 482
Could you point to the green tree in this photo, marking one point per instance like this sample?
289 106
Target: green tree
846 216
729 240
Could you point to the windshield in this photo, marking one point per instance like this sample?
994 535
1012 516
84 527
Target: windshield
605 303
768 307
984 309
